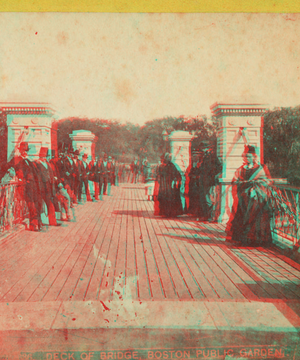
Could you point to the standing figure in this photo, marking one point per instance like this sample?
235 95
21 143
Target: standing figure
208 174
105 172
93 169
135 170
251 212
192 184
46 185
112 170
84 171
77 175
169 179
27 191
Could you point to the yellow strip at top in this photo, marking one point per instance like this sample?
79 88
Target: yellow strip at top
273 6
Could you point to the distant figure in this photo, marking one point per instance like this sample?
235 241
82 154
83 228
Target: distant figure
210 169
84 174
192 184
169 180
135 170
251 213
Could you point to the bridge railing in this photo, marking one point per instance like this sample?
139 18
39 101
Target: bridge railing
285 222
13 209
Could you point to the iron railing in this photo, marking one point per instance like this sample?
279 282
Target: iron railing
13 209
285 222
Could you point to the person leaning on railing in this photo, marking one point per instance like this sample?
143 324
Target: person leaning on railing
251 212
27 178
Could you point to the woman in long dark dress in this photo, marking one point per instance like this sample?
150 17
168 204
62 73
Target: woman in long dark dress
169 188
192 184
251 211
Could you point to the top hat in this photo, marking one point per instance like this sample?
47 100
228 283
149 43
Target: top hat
84 155
249 149
43 152
24 146
76 152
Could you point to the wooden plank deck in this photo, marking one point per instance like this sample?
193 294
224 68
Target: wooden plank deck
118 250
169 282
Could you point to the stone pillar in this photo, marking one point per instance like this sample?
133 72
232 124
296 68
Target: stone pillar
238 124
180 144
84 141
31 123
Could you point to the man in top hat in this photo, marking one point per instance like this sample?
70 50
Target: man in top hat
47 191
135 170
105 172
27 176
69 173
77 175
84 178
94 169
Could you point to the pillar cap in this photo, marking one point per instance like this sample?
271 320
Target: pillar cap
24 108
180 135
83 135
223 109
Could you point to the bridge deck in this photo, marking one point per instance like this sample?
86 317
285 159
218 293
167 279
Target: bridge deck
117 249
118 265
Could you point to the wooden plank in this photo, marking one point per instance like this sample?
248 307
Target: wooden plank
62 237
215 248
164 271
101 265
286 264
91 254
23 269
178 281
268 284
216 267
153 273
210 284
131 276
67 256
106 290
257 284
119 273
144 286
284 283
73 275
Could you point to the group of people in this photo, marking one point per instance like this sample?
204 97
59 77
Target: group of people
54 185
194 185
250 222
50 185
135 172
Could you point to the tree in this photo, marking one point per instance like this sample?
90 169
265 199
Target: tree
281 140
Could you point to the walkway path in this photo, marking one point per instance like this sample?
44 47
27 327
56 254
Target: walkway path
120 266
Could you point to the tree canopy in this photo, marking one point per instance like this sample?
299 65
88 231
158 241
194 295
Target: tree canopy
282 140
124 141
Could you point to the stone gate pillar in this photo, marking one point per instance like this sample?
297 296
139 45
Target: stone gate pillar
180 144
31 123
84 141
238 124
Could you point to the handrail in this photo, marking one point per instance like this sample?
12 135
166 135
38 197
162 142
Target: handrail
13 209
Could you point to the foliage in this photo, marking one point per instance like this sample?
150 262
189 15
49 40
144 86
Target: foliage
124 141
152 139
282 140
114 138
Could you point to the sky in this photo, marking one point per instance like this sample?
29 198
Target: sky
140 67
